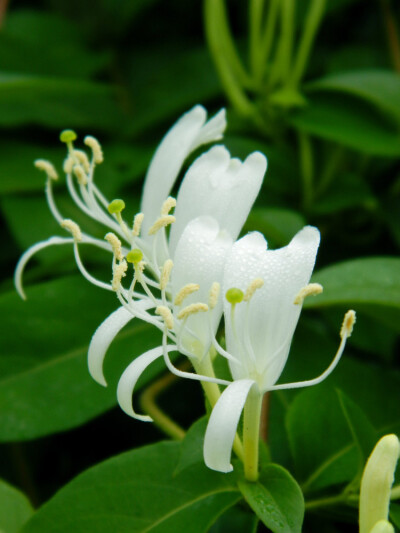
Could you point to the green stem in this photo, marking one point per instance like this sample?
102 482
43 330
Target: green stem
283 57
255 22
325 502
395 492
149 406
330 171
251 433
307 168
312 23
267 38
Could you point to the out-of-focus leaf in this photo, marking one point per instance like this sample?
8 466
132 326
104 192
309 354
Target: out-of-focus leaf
192 445
395 514
276 499
380 88
136 492
236 520
15 509
166 82
371 280
57 103
277 225
348 121
45 386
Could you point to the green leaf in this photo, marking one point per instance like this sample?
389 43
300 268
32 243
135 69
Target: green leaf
15 508
137 492
371 280
395 514
236 520
380 88
278 225
57 103
348 121
45 386
276 499
192 445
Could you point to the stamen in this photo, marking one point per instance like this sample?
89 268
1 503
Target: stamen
137 224
83 159
80 174
169 204
73 228
234 296
119 273
214 294
46 166
186 291
162 222
68 136
348 323
166 315
165 274
116 206
312 289
95 146
116 245
192 309
135 256
251 289
68 164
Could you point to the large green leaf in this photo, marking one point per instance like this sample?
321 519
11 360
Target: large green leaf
45 386
276 499
380 88
348 121
57 103
369 281
137 492
15 509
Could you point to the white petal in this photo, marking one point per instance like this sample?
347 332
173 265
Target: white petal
199 258
130 377
222 426
30 252
219 186
101 340
185 136
272 314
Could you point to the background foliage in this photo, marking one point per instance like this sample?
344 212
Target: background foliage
124 71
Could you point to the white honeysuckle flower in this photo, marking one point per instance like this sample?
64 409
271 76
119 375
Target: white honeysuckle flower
376 485
265 289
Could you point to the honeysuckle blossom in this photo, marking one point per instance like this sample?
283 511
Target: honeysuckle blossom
376 485
170 281
264 291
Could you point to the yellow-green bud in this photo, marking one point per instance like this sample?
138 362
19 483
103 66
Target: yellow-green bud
234 296
68 136
134 256
116 206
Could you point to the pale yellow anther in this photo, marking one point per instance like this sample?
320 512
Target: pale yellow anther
139 267
186 291
251 289
312 289
165 274
348 323
46 166
169 204
162 222
119 272
82 157
192 309
214 294
80 174
68 164
137 224
116 245
95 146
73 228
166 315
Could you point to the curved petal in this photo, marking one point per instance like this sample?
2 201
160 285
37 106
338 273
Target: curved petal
383 526
186 135
222 426
266 325
219 186
101 340
30 252
199 258
130 377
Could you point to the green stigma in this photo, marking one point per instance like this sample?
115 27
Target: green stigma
234 296
116 206
134 256
68 136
